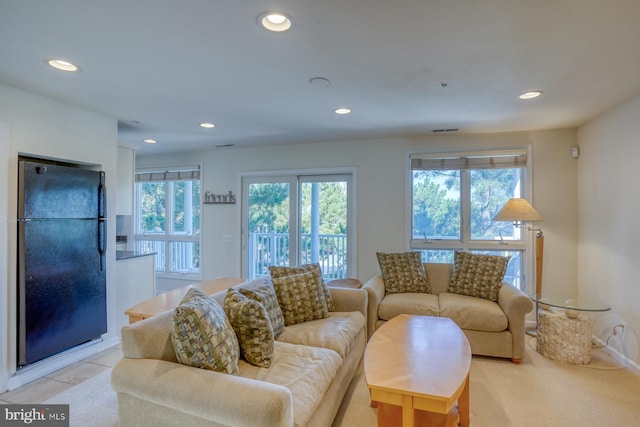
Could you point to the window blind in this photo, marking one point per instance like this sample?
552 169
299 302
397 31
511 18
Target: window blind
425 162
172 174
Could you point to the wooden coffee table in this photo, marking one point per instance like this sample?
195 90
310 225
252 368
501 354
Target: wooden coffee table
417 368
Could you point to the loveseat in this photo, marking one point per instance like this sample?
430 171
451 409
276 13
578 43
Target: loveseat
494 329
313 364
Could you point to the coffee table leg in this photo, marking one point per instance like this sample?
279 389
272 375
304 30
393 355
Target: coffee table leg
407 411
463 404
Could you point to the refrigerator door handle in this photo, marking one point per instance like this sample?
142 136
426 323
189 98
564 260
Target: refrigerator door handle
102 222
102 242
102 197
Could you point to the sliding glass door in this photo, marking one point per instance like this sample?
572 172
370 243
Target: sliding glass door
268 225
295 220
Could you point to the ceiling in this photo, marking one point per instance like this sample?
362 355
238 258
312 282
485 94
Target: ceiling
161 67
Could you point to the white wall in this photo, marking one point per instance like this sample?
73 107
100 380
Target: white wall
36 125
608 214
381 178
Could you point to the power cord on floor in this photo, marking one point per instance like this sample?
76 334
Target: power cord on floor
613 333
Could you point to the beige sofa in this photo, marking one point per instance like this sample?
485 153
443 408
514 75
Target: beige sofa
313 365
493 329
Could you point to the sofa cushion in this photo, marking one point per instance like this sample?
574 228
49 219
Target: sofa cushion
300 297
439 275
478 275
202 335
408 303
281 271
403 272
252 326
266 295
473 313
337 332
306 371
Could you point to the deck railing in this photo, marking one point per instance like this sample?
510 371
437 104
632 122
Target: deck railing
184 255
267 249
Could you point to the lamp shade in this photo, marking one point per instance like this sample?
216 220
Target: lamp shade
518 210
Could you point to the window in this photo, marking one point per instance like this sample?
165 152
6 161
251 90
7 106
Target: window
167 219
454 198
298 219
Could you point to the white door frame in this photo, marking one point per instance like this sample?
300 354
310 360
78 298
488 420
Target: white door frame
286 176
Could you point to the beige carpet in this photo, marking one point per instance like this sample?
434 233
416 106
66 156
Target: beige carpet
539 392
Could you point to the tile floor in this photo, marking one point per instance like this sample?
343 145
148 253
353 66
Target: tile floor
63 379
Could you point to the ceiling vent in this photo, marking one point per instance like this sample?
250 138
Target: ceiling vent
446 130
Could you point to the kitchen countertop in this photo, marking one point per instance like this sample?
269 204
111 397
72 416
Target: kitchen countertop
120 255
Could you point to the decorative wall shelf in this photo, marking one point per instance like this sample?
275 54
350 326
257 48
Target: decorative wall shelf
219 199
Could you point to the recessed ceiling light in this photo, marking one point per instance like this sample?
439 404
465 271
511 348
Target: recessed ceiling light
150 141
275 21
59 64
530 95
207 125
342 111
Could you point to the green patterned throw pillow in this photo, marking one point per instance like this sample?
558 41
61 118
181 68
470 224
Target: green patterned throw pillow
202 335
300 298
403 272
251 323
277 271
266 295
478 275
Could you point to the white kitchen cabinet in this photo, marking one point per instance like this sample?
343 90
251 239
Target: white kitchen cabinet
126 171
135 281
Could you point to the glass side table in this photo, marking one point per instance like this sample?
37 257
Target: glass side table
563 329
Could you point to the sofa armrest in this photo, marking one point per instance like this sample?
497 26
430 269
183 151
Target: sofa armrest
346 299
375 291
515 304
210 395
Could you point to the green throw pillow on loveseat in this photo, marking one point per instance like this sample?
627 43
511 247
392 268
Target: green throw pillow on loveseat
403 272
478 275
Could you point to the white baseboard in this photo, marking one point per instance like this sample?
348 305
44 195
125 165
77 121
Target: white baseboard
40 369
617 356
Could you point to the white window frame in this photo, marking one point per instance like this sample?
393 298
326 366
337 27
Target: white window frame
465 243
293 177
163 270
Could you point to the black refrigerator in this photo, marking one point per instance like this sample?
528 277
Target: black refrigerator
61 258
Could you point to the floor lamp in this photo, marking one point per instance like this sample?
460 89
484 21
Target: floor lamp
520 212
